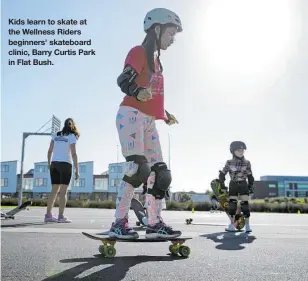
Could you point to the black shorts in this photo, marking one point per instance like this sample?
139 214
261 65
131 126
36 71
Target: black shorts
60 173
238 189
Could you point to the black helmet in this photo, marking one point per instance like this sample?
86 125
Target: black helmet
237 145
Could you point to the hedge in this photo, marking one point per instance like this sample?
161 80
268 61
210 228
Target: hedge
276 205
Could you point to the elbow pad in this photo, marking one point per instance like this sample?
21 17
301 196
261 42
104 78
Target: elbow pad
127 82
251 179
222 177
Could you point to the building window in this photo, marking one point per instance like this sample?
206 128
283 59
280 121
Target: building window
82 169
115 182
41 168
41 182
100 184
301 194
27 183
4 182
80 183
116 169
272 185
292 185
5 168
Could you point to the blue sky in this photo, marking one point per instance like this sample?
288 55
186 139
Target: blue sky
237 72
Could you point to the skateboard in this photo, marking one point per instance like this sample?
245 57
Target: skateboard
11 214
239 220
222 196
140 212
108 250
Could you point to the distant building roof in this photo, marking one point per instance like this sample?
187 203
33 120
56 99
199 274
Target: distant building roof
30 172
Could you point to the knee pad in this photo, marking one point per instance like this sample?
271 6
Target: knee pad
245 209
142 173
162 176
232 207
162 180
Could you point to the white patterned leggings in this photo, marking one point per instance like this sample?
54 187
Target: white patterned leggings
138 136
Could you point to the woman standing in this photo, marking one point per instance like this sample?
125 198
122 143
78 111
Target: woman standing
62 148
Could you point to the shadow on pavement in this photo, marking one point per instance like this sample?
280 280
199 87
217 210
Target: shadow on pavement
116 272
230 241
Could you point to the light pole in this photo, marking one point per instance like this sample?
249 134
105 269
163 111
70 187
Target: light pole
117 169
169 162
56 123
20 183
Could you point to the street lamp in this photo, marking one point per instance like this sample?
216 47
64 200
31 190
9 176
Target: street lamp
117 183
169 162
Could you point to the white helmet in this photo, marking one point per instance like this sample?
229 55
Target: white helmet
161 16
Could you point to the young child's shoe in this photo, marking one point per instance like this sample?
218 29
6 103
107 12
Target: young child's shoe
230 228
247 228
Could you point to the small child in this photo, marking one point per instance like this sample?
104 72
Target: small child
240 171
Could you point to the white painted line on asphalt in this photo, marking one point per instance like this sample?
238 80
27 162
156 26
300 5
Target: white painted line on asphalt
49 230
78 218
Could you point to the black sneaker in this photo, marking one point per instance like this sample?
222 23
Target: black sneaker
161 230
120 229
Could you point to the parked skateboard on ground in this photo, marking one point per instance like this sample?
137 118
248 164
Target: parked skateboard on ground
108 250
222 196
140 212
11 214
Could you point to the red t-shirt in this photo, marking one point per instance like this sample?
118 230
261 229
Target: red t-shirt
137 59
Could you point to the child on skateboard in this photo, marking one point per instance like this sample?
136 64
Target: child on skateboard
142 82
240 171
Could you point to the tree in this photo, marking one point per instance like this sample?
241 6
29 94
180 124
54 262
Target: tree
184 197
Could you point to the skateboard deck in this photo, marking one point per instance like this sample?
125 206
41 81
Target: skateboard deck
11 214
108 250
239 222
140 212
222 197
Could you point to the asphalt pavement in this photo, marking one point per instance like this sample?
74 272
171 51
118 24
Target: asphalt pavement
277 249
